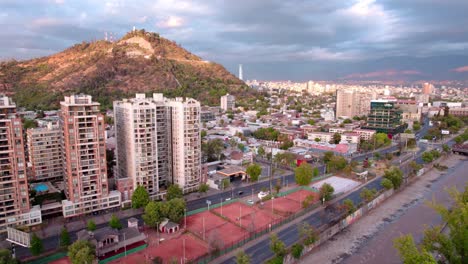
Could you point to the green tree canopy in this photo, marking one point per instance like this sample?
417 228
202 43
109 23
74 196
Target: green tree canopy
277 246
285 158
296 250
410 253
212 149
7 258
395 175
348 205
114 222
82 252
174 191
203 188
261 151
267 133
154 213
64 238
175 209
303 174
254 170
336 138
336 163
387 184
242 258
36 245
326 191
367 195
140 197
91 225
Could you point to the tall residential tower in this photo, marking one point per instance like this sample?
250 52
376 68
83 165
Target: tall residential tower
84 150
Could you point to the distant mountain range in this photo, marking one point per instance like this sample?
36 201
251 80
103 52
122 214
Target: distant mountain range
139 62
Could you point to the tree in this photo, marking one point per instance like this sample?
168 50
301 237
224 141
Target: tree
114 222
381 140
427 157
242 258
303 174
140 197
317 140
212 149
336 138
203 134
7 258
158 260
174 191
278 185
203 188
285 158
296 250
307 234
387 184
315 172
326 192
348 205
81 252
347 121
445 148
336 163
451 245
225 183
416 126
36 245
64 238
254 170
261 151
268 133
311 122
91 226
395 175
367 195
277 246
175 209
409 252
154 213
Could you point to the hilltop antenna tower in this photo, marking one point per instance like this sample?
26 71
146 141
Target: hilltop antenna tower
241 74
105 36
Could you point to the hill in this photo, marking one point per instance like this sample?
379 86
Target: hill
139 62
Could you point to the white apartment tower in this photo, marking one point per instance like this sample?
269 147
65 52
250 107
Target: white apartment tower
350 103
143 132
185 143
158 143
228 102
84 150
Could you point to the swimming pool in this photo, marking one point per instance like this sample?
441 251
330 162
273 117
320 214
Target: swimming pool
41 187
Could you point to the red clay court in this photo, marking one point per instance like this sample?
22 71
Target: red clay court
300 196
282 206
195 222
235 210
169 250
259 220
229 233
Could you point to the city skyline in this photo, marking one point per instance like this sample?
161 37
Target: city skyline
336 40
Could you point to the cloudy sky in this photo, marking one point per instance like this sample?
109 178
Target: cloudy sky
273 39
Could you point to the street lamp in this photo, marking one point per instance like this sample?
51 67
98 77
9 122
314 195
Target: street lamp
185 218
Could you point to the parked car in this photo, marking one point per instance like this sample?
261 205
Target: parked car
228 199
240 192
250 202
261 195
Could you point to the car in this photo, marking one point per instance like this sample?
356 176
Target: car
240 192
250 202
261 195
228 199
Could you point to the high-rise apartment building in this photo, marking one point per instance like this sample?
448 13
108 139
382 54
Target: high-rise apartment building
385 117
428 88
185 142
45 153
158 143
228 102
350 103
14 193
84 157
347 103
143 136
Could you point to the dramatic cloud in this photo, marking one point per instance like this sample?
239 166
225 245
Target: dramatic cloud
461 69
380 74
294 39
